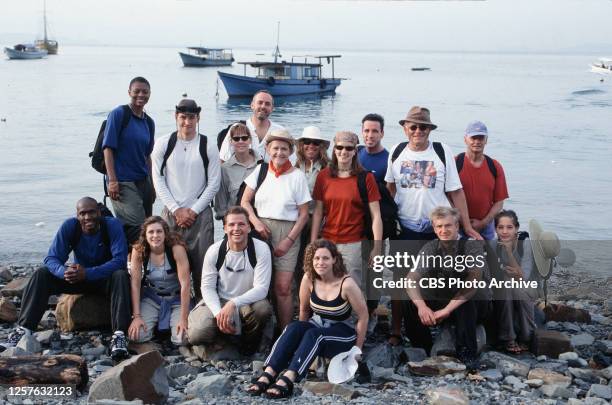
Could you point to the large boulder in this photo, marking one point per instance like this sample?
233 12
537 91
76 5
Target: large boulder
439 365
82 312
206 386
15 288
8 310
327 388
550 377
551 343
506 364
564 313
140 377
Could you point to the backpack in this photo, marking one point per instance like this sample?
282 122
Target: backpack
78 232
223 252
172 143
437 146
97 154
492 168
388 209
263 172
171 261
223 133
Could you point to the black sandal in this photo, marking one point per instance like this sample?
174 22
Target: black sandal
260 387
284 391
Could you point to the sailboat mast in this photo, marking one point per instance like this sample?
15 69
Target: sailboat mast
45 19
277 53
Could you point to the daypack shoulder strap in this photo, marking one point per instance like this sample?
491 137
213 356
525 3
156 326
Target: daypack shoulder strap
222 253
151 125
459 161
125 119
363 193
170 256
204 155
251 252
169 149
491 165
78 232
263 172
439 149
397 151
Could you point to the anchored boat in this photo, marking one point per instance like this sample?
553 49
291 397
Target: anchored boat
46 44
603 66
197 56
25 51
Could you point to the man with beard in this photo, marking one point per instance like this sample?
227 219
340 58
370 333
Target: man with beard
98 267
259 125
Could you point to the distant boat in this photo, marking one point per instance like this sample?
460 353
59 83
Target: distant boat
603 66
199 57
420 69
25 51
49 45
283 78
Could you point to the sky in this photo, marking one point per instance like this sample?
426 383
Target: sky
489 25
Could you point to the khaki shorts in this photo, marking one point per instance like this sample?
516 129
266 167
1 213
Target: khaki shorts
280 230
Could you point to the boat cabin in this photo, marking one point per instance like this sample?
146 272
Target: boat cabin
211 53
294 70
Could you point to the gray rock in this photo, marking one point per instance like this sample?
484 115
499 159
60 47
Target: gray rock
515 382
555 391
29 344
444 345
48 320
604 345
608 305
569 356
492 374
14 351
414 354
607 373
228 352
44 337
542 358
584 374
93 351
257 366
552 325
382 356
600 391
571 327
583 339
440 365
114 402
181 370
449 395
381 373
535 383
327 388
5 274
205 386
15 287
506 364
142 376
550 377
8 310
100 368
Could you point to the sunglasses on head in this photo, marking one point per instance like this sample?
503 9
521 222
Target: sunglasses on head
311 142
341 147
243 138
422 127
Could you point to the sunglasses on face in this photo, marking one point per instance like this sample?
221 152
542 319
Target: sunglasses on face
311 142
341 147
422 127
241 138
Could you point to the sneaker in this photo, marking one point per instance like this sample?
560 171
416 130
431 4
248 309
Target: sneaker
119 349
14 337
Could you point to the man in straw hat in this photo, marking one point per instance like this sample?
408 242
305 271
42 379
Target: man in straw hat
421 175
187 174
259 125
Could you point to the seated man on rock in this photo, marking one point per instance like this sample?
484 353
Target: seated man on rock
448 284
235 281
98 266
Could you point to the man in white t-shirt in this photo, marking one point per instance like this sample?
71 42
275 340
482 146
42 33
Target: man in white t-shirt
421 175
259 125
186 180
235 281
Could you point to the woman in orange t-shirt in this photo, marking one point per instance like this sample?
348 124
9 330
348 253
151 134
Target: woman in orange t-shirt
339 204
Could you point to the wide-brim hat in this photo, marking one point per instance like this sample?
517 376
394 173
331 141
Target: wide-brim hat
418 115
313 132
343 366
280 135
188 106
545 246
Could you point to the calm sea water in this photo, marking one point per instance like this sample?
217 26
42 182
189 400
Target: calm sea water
549 121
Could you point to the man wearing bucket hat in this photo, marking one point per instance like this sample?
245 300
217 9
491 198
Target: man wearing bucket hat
483 180
186 174
421 175
259 125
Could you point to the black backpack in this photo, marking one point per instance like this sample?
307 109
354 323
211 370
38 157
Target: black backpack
437 146
223 133
388 209
492 168
172 143
97 155
223 252
263 172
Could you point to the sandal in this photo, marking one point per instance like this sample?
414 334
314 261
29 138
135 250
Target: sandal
512 348
259 387
284 391
397 338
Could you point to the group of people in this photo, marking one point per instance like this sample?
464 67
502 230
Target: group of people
291 210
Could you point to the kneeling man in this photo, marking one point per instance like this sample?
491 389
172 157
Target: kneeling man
235 281
98 267
448 284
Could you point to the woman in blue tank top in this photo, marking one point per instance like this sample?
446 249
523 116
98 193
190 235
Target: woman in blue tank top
160 283
328 296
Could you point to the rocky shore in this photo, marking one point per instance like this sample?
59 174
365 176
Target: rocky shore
577 336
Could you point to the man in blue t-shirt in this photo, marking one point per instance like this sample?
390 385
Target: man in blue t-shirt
373 156
127 157
98 266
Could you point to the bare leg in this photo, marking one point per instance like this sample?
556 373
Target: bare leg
284 299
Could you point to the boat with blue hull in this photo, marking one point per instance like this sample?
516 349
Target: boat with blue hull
197 56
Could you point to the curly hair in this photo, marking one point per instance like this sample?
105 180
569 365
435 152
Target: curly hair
338 270
170 238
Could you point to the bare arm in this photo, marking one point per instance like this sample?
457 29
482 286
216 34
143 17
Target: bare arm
182 265
352 293
113 184
392 189
305 290
135 281
259 226
317 219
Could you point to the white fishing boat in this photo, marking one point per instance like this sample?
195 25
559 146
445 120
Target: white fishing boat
602 66
25 51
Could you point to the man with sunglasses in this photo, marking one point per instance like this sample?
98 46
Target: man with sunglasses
259 125
186 179
235 282
483 180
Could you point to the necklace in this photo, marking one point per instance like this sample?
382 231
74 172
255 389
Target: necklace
185 143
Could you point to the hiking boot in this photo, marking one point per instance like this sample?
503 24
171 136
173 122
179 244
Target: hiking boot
119 349
14 337
470 359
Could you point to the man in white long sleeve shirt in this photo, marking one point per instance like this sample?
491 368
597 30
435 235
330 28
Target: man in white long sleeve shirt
235 282
259 125
187 175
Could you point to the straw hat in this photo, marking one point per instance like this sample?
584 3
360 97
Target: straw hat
280 135
313 132
545 246
343 366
